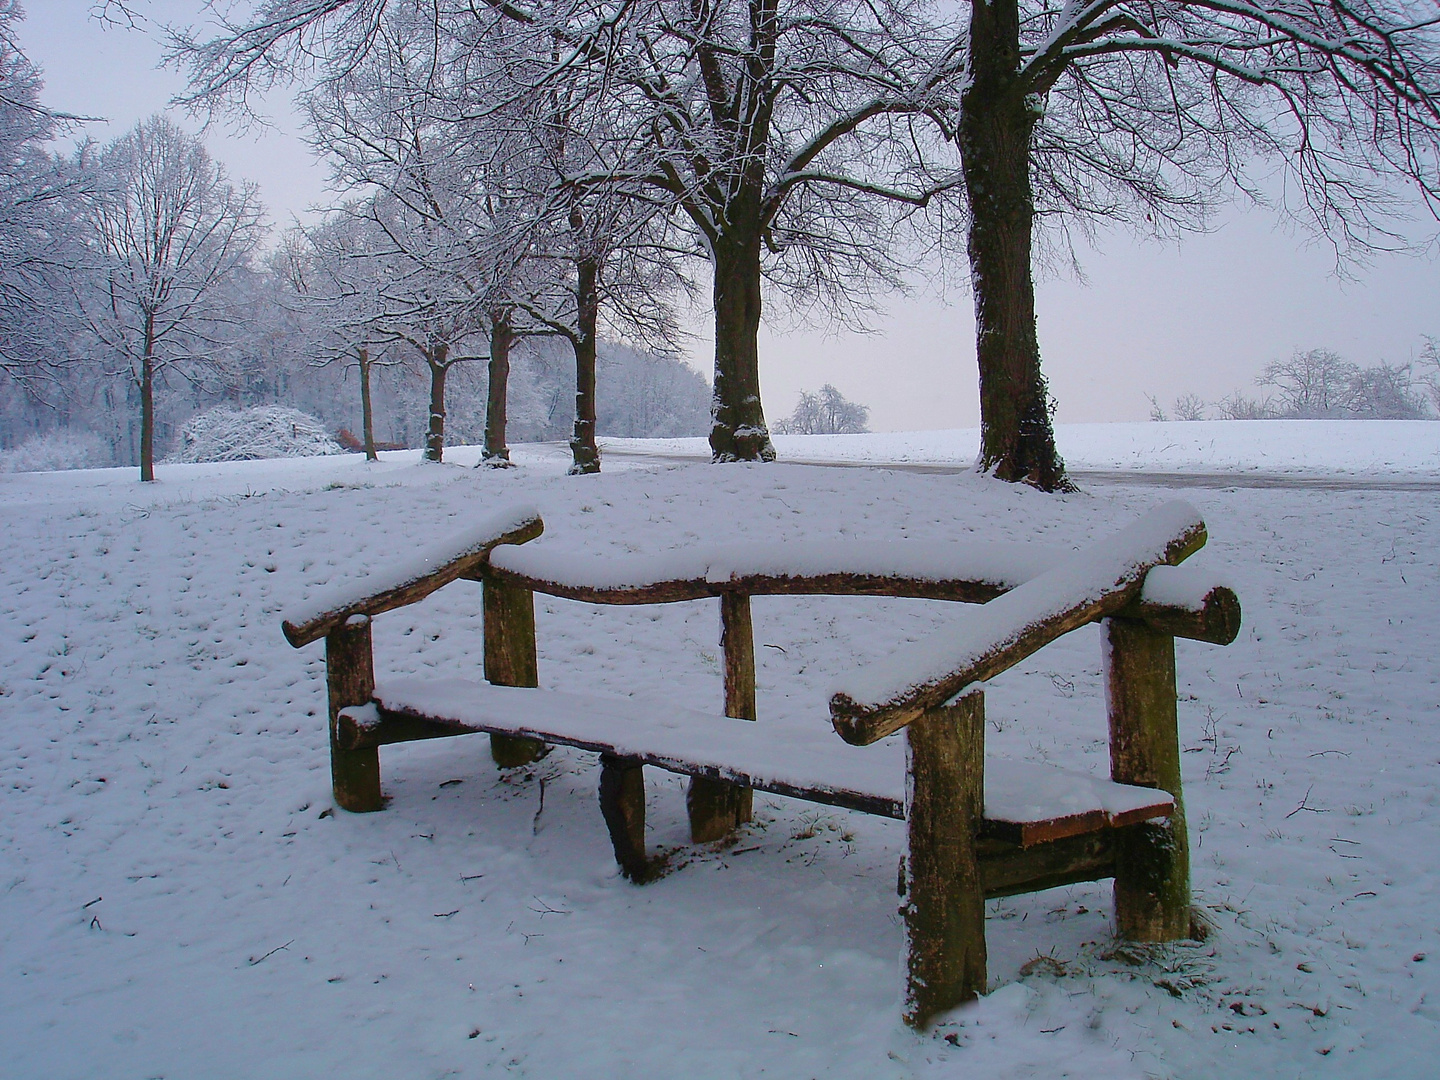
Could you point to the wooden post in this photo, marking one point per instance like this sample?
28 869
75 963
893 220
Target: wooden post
944 906
1152 861
350 679
510 660
715 807
622 802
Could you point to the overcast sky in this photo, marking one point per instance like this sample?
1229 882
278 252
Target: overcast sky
1203 317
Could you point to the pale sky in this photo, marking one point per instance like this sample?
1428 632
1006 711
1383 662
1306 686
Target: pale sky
1203 317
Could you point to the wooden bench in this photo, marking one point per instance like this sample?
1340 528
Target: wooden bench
975 828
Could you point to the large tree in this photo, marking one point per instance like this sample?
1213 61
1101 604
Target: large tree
1154 114
169 236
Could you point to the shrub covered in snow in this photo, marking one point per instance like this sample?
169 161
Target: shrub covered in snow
57 450
267 431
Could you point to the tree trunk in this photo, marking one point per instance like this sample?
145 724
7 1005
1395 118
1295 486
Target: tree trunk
502 335
1017 441
587 299
738 431
438 360
147 405
367 415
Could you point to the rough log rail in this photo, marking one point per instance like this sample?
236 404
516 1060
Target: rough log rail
410 580
1100 582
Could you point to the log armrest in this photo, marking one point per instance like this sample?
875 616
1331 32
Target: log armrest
1101 581
410 580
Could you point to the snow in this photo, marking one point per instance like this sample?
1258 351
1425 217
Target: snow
408 568
264 431
1003 565
173 903
56 450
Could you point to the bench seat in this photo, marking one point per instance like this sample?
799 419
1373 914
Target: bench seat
1025 803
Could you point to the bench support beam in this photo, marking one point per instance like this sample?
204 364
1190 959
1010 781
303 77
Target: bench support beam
350 679
1152 861
716 808
622 803
509 612
944 906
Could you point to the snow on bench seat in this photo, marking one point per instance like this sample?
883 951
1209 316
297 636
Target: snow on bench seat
1025 803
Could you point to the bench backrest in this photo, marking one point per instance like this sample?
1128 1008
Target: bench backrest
1019 597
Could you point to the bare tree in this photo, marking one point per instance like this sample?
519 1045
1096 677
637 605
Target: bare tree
783 132
39 235
334 279
825 412
1313 385
446 223
168 234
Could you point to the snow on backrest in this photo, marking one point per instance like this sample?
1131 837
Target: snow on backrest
1116 563
1002 565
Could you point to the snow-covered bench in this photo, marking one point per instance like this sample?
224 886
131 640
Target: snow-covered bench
976 828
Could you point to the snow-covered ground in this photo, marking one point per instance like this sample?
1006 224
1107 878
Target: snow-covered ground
178 899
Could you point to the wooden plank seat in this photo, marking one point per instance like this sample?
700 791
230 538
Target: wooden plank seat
1025 802
976 826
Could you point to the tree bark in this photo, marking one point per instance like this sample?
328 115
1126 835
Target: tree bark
438 360
738 431
147 403
587 297
1017 440
367 415
502 335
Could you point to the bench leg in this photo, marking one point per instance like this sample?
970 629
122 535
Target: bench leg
944 906
716 808
350 680
509 619
1152 861
622 802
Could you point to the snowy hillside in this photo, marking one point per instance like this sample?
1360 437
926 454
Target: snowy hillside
179 899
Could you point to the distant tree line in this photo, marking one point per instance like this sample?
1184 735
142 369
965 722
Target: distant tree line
136 290
1321 385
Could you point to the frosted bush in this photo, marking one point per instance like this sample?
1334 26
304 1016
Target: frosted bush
56 450
266 431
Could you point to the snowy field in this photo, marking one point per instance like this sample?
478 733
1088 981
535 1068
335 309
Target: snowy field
1400 449
178 899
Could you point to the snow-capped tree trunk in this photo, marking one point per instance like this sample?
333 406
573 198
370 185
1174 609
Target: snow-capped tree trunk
367 413
587 295
997 122
738 431
502 336
438 361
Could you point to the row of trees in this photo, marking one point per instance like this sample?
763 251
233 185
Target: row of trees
1319 384
133 284
807 149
